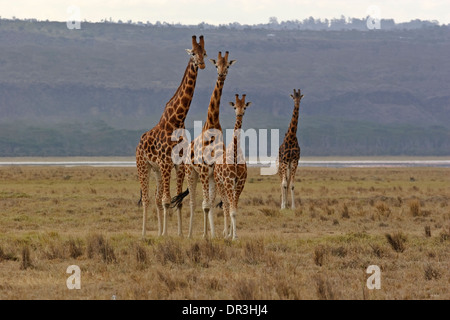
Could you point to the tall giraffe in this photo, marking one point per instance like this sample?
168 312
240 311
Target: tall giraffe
154 151
230 175
289 154
204 149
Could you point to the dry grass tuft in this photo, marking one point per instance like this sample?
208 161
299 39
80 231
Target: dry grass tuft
298 212
344 212
245 289
75 248
397 241
7 256
431 273
140 253
427 231
324 289
270 212
169 251
382 209
445 235
203 252
414 208
98 246
340 252
319 255
377 250
26 259
171 281
254 251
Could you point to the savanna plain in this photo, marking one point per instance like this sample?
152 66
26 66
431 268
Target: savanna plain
345 220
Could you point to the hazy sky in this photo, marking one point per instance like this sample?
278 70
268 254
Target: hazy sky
224 11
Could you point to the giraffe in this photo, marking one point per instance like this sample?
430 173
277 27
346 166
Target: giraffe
154 150
230 175
204 149
289 154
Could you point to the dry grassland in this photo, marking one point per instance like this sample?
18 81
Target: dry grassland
347 219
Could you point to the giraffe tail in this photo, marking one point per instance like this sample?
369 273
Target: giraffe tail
219 205
176 201
140 200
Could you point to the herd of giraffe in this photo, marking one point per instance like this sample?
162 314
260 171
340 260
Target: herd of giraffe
227 172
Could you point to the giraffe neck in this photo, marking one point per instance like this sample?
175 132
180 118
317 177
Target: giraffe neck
212 121
237 137
294 121
178 106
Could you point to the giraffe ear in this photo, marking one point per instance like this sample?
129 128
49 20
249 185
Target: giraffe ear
231 104
302 96
248 104
231 62
189 51
213 61
292 96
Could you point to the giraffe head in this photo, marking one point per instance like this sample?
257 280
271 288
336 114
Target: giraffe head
240 105
222 64
198 52
297 96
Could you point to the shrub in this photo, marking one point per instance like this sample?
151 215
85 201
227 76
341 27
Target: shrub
26 260
397 241
324 289
319 253
414 208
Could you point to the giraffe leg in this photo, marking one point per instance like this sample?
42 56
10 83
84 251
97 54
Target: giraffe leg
143 171
165 174
158 199
229 190
294 165
240 183
233 212
180 172
282 170
212 198
192 178
206 205
223 197
226 212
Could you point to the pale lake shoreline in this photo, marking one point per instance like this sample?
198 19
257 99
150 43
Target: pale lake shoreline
336 162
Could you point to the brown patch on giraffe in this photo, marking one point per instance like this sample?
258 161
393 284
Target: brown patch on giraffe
189 90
